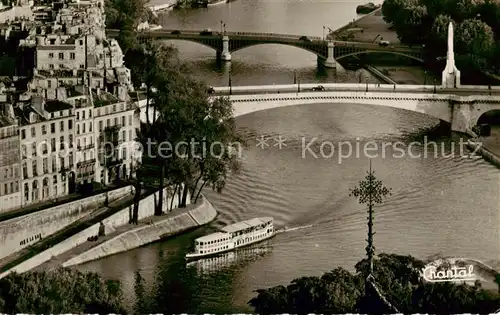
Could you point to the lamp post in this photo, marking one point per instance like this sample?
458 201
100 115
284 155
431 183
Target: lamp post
366 81
434 86
224 24
425 77
294 76
221 26
324 28
230 84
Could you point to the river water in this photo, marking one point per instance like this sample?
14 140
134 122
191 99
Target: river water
442 204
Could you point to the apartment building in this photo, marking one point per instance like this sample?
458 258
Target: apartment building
10 162
47 149
116 123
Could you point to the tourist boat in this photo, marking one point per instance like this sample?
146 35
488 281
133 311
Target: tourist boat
233 236
222 261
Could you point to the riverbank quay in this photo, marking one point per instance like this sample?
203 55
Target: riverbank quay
487 147
149 230
7 215
110 223
32 252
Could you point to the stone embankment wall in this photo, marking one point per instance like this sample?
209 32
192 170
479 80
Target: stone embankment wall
23 231
120 218
484 152
203 213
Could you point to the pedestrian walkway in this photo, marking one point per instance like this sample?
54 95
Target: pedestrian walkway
4 216
56 262
92 218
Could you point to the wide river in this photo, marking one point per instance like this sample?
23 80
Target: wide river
442 204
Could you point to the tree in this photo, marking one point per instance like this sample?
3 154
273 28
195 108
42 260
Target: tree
391 10
59 291
475 40
411 25
464 9
439 32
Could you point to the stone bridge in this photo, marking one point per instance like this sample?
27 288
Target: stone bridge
461 111
225 44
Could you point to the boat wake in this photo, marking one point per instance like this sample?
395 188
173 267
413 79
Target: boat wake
287 229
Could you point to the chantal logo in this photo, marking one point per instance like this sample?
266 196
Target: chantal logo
448 271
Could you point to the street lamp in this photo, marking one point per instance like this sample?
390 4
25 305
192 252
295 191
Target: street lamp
434 85
324 29
366 80
230 84
294 76
221 26
224 24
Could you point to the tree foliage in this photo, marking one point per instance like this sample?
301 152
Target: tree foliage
340 291
477 28
59 291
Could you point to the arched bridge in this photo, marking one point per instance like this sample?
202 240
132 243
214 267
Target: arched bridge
225 44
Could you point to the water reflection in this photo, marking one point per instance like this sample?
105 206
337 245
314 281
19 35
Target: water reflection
225 261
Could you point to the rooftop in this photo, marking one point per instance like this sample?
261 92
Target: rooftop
6 121
60 73
55 106
243 225
104 99
212 237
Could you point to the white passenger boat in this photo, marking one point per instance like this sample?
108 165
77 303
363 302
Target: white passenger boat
233 236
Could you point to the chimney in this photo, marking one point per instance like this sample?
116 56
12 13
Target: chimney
75 72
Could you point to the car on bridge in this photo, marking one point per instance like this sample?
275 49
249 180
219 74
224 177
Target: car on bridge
318 88
176 32
206 31
305 38
383 43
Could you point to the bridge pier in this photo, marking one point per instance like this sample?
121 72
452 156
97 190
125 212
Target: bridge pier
225 54
330 61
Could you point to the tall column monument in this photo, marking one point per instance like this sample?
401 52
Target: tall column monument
451 75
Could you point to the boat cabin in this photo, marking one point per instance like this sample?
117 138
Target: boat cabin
212 243
253 225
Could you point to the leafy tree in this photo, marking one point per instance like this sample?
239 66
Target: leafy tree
410 24
391 10
59 291
475 41
489 13
464 9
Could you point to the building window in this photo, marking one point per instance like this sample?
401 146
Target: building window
44 130
77 115
26 192
90 126
61 126
83 127
44 148
53 144
130 120
23 151
70 124
70 160
23 134
124 153
33 166
45 166
52 41
123 121
82 66
70 140
83 115
33 149
124 136
80 42
72 56
25 170
61 142
35 191
116 121
61 162
61 56
54 179
49 84
100 125
54 164
52 127
51 66
33 132
90 113
51 55
77 129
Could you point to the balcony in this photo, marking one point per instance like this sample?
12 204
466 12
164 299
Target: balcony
86 174
87 147
86 162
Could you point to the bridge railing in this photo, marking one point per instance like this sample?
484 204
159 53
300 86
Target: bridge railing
371 87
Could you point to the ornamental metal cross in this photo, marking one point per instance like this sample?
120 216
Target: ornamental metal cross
370 191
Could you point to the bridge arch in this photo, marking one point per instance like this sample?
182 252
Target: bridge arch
491 117
247 45
213 47
380 52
